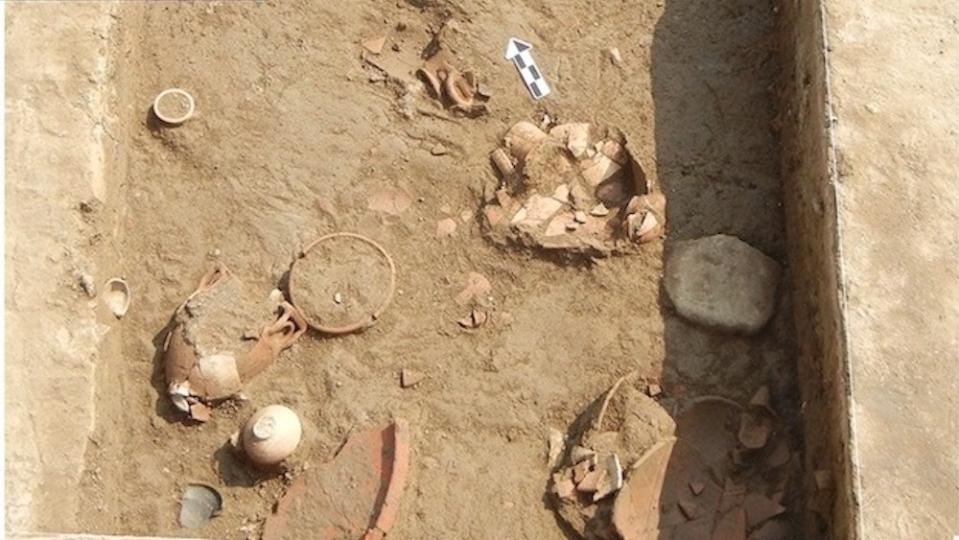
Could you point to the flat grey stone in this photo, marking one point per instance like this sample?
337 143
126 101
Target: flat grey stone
722 282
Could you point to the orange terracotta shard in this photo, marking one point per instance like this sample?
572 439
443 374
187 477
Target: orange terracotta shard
355 496
636 510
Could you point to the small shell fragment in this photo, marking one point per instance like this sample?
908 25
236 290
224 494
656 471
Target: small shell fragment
117 296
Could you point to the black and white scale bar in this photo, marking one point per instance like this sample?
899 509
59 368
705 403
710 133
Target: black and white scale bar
519 52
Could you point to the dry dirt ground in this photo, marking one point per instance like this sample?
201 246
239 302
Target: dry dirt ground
295 133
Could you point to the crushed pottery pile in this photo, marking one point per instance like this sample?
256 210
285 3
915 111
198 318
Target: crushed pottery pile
719 472
575 188
611 435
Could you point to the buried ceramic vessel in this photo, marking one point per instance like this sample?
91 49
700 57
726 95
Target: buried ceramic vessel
208 355
270 435
174 106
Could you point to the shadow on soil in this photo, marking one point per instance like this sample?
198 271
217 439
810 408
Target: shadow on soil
707 58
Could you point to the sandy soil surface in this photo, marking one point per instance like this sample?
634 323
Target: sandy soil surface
295 136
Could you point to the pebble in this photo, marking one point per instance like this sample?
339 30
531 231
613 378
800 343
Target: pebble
86 283
439 150
556 443
722 282
654 390
580 216
599 210
614 56
338 298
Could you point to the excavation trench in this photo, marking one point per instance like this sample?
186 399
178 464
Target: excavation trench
296 136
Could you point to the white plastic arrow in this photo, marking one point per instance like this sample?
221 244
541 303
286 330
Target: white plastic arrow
518 51
515 46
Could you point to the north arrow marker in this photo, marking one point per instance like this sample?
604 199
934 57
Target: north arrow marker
518 51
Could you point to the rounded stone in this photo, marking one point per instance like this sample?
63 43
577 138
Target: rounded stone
722 282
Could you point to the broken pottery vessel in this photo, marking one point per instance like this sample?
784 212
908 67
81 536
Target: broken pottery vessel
576 188
221 339
694 478
459 90
613 433
355 496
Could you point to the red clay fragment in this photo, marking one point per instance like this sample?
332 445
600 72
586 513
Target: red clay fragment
410 378
357 494
688 508
477 286
200 412
754 429
276 524
397 482
779 456
698 529
772 530
760 509
636 510
731 526
733 495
